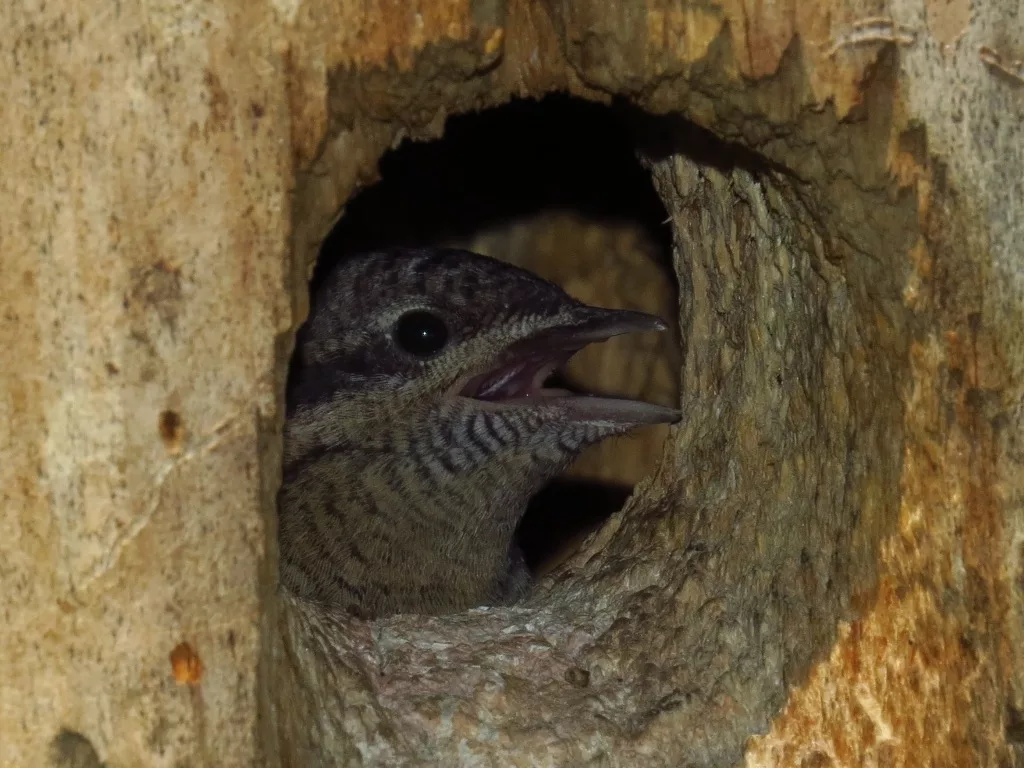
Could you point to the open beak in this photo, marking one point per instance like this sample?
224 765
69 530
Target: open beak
517 377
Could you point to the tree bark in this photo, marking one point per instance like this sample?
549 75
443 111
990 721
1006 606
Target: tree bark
826 567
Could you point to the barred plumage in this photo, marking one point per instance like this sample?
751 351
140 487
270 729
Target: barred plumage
407 468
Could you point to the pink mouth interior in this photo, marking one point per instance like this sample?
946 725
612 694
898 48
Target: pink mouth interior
523 377
518 377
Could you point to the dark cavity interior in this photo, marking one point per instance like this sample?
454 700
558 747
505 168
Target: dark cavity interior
554 186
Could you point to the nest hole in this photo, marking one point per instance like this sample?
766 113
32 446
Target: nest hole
690 615
682 626
554 186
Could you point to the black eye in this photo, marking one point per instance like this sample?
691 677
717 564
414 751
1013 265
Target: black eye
421 333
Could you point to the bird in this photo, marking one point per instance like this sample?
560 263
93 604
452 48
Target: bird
418 425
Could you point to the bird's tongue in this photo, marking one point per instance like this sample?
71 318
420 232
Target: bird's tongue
520 376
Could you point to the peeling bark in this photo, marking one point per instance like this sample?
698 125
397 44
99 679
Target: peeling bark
825 567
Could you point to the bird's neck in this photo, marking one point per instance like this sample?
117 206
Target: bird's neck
393 527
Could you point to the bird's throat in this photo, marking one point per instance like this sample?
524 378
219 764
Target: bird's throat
385 534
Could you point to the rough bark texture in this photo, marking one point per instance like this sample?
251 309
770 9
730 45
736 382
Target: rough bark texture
826 567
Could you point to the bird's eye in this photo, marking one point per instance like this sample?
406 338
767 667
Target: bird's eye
421 333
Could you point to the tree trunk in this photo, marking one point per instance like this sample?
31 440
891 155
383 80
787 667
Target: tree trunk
825 567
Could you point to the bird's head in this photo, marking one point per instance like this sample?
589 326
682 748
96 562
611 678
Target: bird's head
443 354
